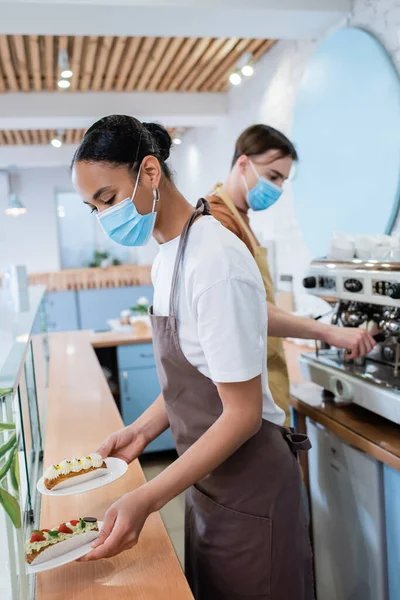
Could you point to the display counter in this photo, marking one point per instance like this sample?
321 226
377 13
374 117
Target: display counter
22 394
55 398
81 412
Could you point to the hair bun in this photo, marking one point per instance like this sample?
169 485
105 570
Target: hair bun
162 137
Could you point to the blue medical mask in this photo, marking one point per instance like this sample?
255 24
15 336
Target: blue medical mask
124 225
264 194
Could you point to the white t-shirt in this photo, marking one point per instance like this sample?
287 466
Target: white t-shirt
221 307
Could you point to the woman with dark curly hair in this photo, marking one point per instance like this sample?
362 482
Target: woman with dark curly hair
246 532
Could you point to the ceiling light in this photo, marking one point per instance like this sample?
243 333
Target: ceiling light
177 141
247 70
14 206
235 78
64 83
57 140
64 66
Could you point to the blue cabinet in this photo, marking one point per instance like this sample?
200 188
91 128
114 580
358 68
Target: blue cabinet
392 495
62 311
98 305
139 388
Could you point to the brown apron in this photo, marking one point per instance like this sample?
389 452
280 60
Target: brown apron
246 533
278 378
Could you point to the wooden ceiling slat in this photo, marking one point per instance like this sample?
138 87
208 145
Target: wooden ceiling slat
155 58
102 58
69 136
139 62
35 136
88 63
2 81
264 47
114 63
44 136
8 67
18 138
198 76
34 55
76 62
49 62
77 136
8 137
176 64
2 139
21 62
126 64
165 62
25 137
196 54
222 71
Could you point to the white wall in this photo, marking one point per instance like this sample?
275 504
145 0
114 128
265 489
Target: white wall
31 239
269 97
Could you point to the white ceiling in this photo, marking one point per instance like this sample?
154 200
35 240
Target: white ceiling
53 110
273 19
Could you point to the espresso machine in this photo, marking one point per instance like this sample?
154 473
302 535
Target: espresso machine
362 294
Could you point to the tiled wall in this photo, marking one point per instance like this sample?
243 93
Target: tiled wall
269 97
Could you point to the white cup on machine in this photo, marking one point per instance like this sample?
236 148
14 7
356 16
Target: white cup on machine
342 247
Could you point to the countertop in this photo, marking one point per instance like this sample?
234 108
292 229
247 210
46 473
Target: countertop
357 426
139 334
80 414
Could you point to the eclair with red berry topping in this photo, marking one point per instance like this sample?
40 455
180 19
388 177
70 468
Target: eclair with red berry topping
46 544
73 471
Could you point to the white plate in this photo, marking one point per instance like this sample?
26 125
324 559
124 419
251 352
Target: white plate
115 325
116 469
64 559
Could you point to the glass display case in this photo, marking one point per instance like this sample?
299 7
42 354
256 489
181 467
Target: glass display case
22 411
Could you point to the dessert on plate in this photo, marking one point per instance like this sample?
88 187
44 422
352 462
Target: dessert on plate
73 471
46 544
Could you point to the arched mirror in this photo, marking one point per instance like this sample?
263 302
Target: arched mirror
347 132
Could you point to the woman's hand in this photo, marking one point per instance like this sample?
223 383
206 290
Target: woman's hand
123 523
126 443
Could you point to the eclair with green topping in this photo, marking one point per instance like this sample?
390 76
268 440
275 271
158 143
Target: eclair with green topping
46 544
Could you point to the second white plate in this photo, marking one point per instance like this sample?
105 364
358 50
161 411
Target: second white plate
116 469
64 559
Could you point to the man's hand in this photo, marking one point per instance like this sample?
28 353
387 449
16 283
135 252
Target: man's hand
355 339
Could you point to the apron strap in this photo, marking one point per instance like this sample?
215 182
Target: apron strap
297 441
202 208
218 191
